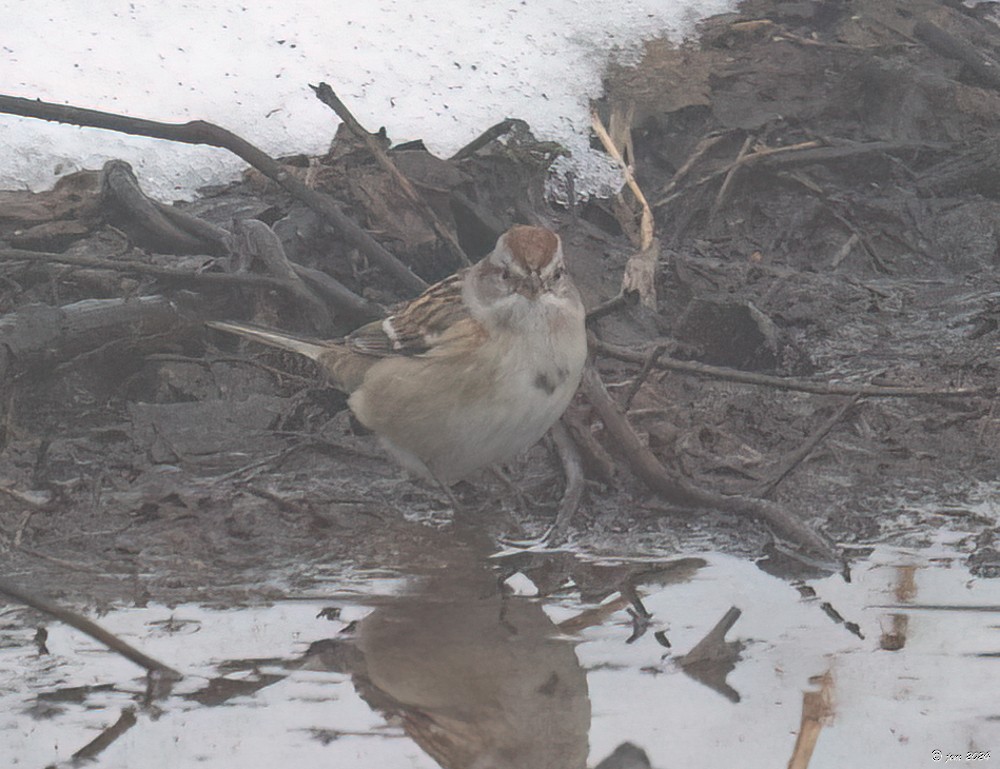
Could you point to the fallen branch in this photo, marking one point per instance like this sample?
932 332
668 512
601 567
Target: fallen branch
121 189
202 132
326 95
155 270
39 333
607 307
90 628
637 382
782 383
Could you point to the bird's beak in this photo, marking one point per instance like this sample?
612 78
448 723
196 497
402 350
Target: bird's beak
531 286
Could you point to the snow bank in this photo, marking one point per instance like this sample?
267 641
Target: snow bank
438 70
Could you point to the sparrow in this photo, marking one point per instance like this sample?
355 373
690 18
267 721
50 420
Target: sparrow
471 372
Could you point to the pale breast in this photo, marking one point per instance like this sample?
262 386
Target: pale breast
456 414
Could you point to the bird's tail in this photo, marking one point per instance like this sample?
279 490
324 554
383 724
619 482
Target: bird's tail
266 336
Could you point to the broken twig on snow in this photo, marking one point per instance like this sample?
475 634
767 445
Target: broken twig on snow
326 95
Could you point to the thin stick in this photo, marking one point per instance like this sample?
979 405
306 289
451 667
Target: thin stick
703 146
202 132
326 95
782 383
646 224
491 133
641 376
23 498
728 181
640 270
90 628
799 455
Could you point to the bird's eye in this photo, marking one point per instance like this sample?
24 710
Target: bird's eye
505 274
559 272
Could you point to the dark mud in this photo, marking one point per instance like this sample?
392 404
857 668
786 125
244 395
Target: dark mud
826 194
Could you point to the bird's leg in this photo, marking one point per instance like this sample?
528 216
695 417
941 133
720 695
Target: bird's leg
514 518
456 506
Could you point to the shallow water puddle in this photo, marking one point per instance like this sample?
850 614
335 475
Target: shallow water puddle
447 670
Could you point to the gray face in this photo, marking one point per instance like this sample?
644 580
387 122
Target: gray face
521 280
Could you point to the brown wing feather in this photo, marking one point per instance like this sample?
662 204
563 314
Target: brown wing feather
435 317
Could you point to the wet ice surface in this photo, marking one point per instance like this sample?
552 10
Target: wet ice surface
406 669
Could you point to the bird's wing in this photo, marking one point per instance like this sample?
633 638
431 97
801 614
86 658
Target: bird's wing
435 320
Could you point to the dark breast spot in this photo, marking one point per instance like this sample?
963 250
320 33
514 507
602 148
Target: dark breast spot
547 382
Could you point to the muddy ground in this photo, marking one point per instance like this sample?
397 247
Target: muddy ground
825 185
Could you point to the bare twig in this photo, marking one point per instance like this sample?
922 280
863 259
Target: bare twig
640 270
202 132
88 627
637 382
845 250
703 146
782 383
798 456
326 95
491 133
728 180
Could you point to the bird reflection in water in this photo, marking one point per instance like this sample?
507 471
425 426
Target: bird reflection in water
478 679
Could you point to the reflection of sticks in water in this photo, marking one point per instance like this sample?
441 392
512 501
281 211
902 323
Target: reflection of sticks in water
712 658
125 722
817 708
89 627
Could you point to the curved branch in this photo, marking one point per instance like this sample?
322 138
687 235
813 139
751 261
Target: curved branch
202 132
679 491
